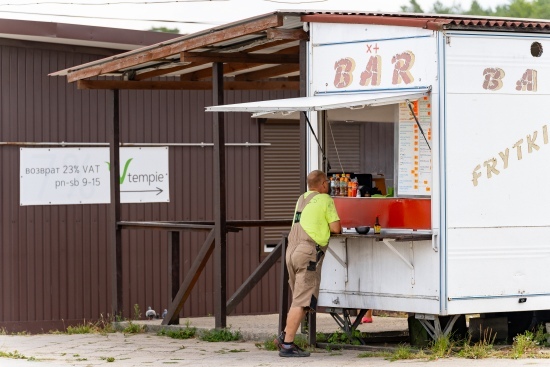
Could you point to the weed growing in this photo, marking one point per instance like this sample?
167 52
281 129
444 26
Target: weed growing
187 333
133 328
402 352
442 347
102 326
269 344
523 344
137 312
221 335
481 349
12 355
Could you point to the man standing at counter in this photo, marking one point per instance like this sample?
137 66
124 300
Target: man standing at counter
315 218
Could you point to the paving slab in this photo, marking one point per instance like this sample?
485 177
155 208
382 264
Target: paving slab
148 349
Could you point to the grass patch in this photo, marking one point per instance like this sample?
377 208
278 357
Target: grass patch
13 355
339 337
187 333
133 328
221 335
402 352
524 344
442 347
269 344
481 349
101 326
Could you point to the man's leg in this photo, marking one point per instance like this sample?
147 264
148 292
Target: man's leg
293 320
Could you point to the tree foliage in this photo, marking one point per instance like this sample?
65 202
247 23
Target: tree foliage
165 30
537 9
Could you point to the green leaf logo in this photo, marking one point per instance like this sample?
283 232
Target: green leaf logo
123 176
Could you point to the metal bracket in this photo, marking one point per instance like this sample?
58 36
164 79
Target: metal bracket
390 246
345 324
340 261
435 331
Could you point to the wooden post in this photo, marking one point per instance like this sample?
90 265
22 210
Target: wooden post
220 261
174 265
283 296
114 209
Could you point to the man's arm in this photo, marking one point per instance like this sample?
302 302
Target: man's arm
335 227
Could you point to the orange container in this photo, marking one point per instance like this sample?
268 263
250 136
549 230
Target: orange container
393 212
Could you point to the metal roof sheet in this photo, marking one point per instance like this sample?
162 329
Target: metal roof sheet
249 36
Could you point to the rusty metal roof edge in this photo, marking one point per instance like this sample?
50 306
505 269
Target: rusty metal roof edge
168 42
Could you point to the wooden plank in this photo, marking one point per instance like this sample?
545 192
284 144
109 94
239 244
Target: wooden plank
268 73
287 34
172 318
239 57
164 71
220 201
114 208
254 278
234 67
208 38
185 85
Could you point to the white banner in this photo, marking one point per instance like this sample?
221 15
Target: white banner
59 176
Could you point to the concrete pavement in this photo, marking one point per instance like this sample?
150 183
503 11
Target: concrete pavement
148 349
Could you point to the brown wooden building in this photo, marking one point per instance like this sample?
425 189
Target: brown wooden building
54 263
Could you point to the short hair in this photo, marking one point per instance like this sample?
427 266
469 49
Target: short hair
315 179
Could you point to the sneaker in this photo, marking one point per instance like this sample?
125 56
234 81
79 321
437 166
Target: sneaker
279 340
366 320
293 351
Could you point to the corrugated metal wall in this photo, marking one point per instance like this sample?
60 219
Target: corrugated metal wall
281 174
54 259
363 147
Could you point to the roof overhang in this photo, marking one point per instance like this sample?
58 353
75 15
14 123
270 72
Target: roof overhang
325 102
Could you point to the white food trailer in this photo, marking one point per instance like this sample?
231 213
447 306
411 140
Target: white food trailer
468 229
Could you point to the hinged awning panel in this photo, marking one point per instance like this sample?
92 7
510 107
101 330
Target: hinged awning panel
325 102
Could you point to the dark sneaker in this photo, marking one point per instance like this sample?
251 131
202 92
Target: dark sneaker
279 340
293 351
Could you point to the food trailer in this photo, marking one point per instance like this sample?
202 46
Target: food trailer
466 230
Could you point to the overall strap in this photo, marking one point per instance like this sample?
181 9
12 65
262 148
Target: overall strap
302 202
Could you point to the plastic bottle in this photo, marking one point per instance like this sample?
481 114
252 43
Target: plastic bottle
343 186
377 227
336 185
354 185
350 185
332 185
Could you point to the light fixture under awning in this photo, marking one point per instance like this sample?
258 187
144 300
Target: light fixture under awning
325 102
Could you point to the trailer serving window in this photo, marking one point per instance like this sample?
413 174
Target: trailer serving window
412 158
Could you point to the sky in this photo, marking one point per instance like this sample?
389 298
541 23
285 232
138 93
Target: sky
187 15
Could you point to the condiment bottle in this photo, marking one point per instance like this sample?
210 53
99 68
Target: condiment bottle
377 227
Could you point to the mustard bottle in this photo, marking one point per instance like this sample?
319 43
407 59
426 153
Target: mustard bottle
377 227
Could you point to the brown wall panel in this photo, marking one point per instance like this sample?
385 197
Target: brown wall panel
54 260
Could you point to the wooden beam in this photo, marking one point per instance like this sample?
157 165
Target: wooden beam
115 235
220 201
255 277
164 71
268 73
185 85
133 58
172 318
239 57
287 34
234 67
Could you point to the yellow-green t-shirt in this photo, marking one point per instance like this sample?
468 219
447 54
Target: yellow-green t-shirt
317 215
